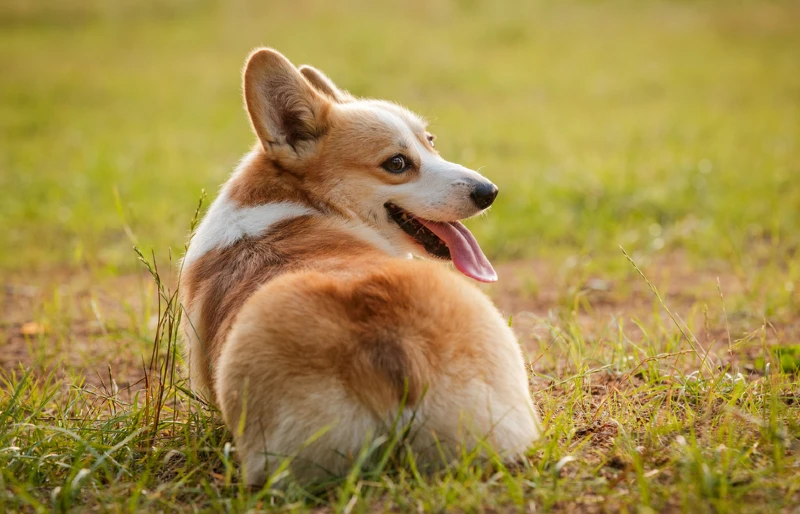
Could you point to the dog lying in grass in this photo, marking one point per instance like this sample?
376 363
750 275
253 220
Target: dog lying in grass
307 320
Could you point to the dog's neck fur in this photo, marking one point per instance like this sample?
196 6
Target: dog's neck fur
260 194
260 180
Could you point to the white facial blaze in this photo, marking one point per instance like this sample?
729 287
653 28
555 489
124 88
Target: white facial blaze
442 191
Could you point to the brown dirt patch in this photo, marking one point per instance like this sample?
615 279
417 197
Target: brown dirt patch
77 323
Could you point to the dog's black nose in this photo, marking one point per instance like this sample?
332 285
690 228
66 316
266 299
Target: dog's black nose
484 194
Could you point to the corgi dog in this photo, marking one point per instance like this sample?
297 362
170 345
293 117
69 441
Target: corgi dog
308 322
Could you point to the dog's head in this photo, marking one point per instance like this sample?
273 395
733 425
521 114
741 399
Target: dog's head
371 160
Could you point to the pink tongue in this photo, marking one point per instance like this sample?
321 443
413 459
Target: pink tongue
464 249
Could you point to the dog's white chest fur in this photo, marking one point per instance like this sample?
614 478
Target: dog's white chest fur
226 223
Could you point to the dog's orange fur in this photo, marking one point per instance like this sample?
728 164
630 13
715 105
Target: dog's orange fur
313 324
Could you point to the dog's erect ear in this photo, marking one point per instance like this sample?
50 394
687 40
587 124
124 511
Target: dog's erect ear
288 114
324 85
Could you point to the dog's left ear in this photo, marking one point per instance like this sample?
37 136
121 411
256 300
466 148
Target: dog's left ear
288 114
324 85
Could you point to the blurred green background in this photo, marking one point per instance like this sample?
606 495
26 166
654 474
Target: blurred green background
654 125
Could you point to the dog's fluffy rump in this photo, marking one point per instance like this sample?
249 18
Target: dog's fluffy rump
313 350
306 318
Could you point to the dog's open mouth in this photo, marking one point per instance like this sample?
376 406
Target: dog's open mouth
411 225
446 240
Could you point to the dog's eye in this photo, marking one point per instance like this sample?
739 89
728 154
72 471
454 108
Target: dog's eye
431 139
396 164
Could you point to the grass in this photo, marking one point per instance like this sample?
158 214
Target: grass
667 380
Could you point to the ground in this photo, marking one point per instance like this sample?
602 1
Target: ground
646 236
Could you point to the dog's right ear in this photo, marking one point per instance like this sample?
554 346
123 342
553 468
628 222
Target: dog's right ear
288 114
324 85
